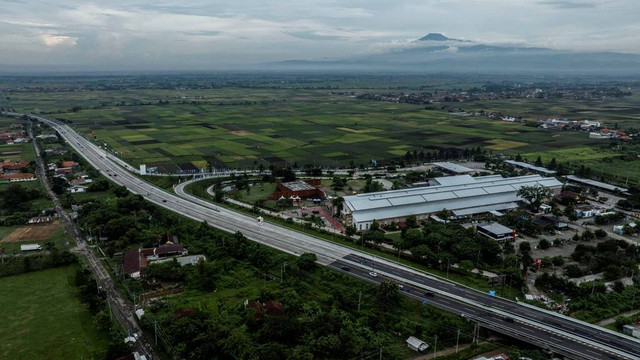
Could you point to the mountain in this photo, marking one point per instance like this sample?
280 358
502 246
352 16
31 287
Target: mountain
438 53
434 37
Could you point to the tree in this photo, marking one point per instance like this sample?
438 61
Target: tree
553 164
387 293
466 265
412 221
375 225
338 203
538 161
534 195
350 230
544 244
525 247
307 261
587 235
600 234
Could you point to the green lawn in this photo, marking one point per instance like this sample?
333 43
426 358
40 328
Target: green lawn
42 318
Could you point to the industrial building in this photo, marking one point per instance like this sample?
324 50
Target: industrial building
530 167
453 168
597 184
463 195
496 231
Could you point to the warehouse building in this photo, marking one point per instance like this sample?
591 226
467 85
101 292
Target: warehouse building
452 168
530 167
468 196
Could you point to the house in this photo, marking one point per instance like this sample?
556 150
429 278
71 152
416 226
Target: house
77 189
18 177
135 261
496 231
586 211
69 164
39 220
547 222
271 308
14 165
545 208
64 171
416 344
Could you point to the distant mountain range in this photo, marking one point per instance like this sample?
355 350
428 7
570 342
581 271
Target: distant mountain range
438 53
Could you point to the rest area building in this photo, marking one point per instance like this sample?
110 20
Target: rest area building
463 195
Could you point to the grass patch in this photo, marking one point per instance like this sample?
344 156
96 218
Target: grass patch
42 318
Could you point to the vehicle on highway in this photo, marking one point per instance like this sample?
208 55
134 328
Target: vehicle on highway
429 294
373 273
508 319
345 268
163 200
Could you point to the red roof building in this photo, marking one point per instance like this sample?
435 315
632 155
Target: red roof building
18 177
135 261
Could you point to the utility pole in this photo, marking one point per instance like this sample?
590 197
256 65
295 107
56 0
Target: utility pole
380 353
435 343
155 330
457 340
359 299
282 271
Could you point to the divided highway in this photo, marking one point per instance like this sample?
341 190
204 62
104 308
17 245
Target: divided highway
563 335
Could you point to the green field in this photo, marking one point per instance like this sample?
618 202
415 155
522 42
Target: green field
287 126
269 123
42 318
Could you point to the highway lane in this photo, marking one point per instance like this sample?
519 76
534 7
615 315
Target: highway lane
496 322
296 243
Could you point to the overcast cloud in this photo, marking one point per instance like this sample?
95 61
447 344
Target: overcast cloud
209 35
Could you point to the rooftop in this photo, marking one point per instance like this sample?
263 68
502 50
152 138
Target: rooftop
481 195
596 183
464 179
496 228
298 186
525 165
455 168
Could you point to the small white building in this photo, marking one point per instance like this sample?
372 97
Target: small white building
77 189
416 344
30 247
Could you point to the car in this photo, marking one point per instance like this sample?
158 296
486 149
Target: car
400 286
429 294
164 200
345 268
373 274
508 319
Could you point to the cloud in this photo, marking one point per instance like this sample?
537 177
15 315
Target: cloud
569 5
53 41
314 35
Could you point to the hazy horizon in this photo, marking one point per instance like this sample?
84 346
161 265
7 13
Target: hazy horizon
141 35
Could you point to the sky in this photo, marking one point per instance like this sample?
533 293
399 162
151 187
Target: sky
214 34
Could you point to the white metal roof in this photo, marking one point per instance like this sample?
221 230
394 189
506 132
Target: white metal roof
596 183
455 168
472 198
531 167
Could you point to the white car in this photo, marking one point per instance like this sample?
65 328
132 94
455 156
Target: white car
374 274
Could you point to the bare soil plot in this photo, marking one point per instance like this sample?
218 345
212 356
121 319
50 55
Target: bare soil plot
32 232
